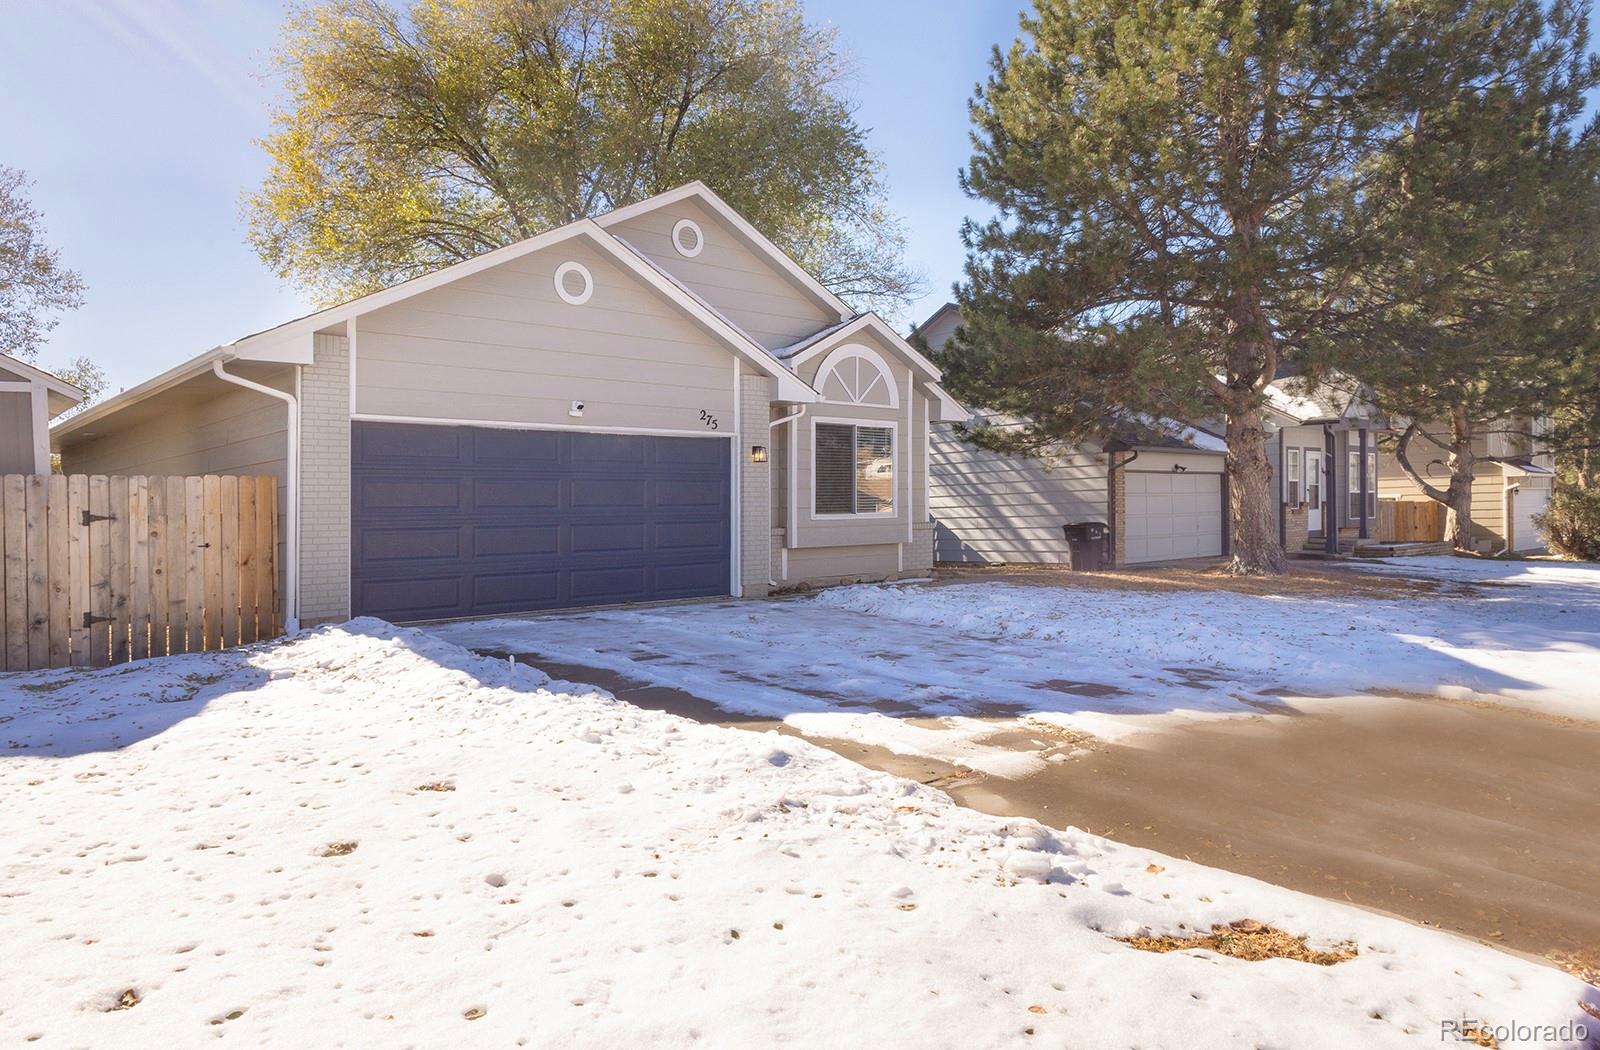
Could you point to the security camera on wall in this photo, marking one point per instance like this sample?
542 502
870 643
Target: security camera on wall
576 409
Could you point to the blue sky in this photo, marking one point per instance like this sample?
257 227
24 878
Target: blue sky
136 119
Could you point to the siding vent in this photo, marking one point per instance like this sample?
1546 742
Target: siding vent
574 283
687 238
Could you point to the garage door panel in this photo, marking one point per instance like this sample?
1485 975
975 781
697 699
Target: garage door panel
396 494
411 445
534 520
607 539
402 544
691 536
516 447
512 592
514 493
610 493
489 541
608 448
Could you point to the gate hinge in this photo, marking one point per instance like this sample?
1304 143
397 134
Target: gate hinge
90 519
90 619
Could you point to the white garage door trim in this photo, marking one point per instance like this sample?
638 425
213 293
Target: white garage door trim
1172 515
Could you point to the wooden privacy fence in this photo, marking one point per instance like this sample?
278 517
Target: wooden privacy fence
100 570
1410 521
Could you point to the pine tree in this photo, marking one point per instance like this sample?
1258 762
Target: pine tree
1481 317
1175 183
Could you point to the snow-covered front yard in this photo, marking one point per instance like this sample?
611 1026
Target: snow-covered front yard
366 836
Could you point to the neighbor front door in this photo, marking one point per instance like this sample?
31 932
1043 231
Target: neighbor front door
1313 490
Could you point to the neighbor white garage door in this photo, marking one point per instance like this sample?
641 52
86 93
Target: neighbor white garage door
1530 499
1172 515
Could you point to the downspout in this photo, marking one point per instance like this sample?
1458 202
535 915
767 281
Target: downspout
1283 508
1507 496
1115 519
1330 496
291 571
772 426
1365 482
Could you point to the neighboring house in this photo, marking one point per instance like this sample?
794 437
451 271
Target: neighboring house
654 404
29 399
1511 484
1161 487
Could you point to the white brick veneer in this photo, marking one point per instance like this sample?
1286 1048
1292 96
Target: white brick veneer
755 485
919 553
325 483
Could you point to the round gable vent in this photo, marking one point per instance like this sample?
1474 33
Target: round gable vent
574 283
687 238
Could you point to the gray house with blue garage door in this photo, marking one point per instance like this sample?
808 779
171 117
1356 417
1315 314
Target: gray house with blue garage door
653 404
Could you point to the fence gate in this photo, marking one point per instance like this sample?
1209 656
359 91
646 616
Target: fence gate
100 570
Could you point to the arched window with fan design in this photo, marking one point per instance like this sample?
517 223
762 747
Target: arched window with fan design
856 375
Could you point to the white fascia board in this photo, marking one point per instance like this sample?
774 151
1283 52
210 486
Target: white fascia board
290 348
877 324
752 236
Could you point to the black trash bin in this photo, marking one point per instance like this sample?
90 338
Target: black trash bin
1089 544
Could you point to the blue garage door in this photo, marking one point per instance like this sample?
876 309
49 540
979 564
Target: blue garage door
468 521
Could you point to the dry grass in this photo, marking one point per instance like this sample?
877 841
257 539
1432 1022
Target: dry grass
338 849
1584 964
126 1001
1304 579
438 785
1248 940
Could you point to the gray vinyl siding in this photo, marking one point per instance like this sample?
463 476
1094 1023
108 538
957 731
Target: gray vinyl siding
812 530
16 431
1488 492
501 347
995 508
744 287
827 565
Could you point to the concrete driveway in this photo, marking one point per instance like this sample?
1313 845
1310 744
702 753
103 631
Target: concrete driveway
1462 813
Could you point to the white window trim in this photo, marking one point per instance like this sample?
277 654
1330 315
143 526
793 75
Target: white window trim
855 350
893 427
699 237
588 283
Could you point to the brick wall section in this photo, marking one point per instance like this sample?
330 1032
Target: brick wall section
1295 526
919 553
777 554
1117 507
325 483
755 484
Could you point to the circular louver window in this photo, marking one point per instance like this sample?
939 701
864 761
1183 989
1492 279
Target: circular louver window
573 283
687 238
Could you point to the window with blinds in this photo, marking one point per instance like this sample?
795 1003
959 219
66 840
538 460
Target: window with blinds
853 469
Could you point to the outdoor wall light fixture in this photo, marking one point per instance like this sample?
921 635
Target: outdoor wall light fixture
1179 468
758 453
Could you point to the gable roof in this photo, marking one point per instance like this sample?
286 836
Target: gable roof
62 395
923 371
289 342
753 238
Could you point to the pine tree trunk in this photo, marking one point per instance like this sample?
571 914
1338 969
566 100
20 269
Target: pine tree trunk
1458 494
1255 547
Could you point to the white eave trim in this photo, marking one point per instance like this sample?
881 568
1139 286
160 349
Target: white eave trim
51 383
753 237
813 345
